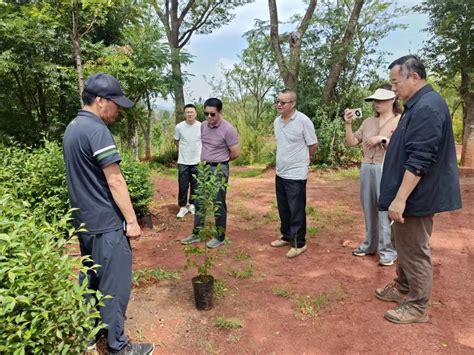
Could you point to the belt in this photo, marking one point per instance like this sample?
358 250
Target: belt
217 163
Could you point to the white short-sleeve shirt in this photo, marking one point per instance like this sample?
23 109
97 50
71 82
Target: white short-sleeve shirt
189 137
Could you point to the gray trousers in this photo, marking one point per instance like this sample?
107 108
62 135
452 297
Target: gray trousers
111 250
414 265
377 224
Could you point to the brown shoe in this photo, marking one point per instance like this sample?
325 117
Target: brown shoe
405 313
389 294
279 243
294 252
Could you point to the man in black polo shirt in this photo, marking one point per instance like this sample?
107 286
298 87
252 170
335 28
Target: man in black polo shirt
420 178
99 192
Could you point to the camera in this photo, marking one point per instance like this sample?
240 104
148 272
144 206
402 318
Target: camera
357 112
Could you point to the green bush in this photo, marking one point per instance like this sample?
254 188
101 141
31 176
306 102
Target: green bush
42 308
38 177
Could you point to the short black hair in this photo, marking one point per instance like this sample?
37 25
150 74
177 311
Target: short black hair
409 64
87 98
214 102
190 106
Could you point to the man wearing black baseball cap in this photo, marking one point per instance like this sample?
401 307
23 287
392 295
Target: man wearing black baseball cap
99 193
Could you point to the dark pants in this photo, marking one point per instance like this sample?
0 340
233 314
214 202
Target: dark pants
185 179
414 266
221 212
112 252
291 200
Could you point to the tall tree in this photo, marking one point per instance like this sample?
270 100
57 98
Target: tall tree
341 53
289 67
450 51
182 19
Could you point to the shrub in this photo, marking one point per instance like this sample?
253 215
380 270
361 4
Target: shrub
42 308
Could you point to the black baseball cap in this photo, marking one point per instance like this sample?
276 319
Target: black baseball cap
105 85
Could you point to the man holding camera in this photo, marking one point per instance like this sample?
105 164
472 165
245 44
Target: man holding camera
296 144
420 178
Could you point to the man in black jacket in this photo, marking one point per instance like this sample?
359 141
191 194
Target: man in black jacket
420 178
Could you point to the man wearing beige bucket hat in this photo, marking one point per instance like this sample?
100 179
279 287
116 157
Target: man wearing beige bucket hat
374 134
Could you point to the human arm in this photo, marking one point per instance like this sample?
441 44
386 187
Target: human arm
234 151
119 190
397 207
350 139
312 150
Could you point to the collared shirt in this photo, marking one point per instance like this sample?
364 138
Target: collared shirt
423 143
293 139
216 141
189 137
89 147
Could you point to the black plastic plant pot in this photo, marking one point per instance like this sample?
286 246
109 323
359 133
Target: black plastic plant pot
203 286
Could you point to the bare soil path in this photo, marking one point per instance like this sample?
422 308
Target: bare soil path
276 299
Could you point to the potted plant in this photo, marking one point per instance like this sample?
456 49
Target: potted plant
209 183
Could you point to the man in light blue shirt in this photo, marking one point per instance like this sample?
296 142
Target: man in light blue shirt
296 144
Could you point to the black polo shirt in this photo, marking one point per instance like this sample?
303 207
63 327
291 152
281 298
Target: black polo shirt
423 143
89 147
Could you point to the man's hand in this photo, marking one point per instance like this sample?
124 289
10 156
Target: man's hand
396 209
133 230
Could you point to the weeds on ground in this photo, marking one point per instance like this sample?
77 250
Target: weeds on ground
242 255
312 231
220 288
227 323
248 173
311 305
282 292
164 171
146 276
243 274
331 217
271 216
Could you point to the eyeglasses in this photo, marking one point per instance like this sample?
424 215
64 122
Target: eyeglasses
283 103
212 114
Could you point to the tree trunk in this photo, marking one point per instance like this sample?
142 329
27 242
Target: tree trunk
329 91
147 129
467 154
289 69
178 85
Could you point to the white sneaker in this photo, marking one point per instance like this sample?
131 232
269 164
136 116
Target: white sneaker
192 209
182 212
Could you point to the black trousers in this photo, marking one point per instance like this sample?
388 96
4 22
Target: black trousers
221 212
291 200
110 250
185 179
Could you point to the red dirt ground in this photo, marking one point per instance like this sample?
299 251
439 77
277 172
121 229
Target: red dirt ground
351 322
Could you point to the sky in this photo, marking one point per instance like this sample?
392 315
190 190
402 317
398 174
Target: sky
221 48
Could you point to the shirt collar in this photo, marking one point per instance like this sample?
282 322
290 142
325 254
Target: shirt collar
415 98
92 115
292 117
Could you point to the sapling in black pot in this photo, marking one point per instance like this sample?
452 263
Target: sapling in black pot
209 183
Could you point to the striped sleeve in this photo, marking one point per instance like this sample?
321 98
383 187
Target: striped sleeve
104 149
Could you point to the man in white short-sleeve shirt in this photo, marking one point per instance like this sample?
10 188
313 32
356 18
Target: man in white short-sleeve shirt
296 144
188 137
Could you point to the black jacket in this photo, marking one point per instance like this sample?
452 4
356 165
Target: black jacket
423 143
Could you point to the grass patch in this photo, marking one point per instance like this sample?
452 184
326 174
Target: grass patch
248 173
282 292
227 323
312 231
271 216
330 217
310 306
165 171
147 276
220 288
248 215
243 274
242 255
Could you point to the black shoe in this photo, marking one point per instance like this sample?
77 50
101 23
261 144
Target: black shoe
136 349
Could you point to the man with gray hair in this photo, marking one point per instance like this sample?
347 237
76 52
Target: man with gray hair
420 178
296 144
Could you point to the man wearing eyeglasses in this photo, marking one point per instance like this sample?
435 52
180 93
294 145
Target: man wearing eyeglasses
296 144
220 144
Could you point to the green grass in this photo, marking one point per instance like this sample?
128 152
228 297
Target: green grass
248 173
282 292
271 216
227 323
329 217
152 275
242 255
165 171
311 306
312 231
220 288
243 274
